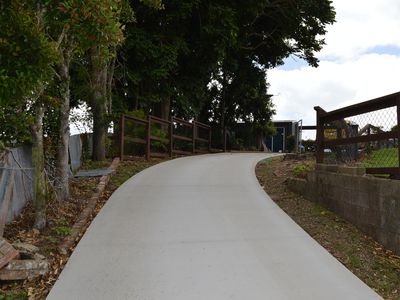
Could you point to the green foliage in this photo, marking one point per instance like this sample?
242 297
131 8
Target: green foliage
290 143
26 56
153 3
139 131
86 23
301 170
15 120
208 59
135 130
62 229
13 295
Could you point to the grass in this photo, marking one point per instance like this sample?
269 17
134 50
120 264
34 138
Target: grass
382 158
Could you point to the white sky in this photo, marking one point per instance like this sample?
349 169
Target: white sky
361 61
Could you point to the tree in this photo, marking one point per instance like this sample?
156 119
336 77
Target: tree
267 32
25 66
150 53
102 55
169 56
26 54
78 26
173 56
109 17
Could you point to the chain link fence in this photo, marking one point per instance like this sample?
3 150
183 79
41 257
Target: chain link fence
365 134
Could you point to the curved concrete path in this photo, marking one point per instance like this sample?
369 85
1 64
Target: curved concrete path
201 228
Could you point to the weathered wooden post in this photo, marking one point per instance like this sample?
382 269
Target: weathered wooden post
398 132
320 136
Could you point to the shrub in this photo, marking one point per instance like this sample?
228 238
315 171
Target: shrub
290 143
301 170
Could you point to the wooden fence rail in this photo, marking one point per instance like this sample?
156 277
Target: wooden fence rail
194 139
325 120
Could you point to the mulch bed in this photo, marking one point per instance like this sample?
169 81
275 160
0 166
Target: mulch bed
60 219
377 267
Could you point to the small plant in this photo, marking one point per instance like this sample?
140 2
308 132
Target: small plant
62 228
301 170
51 239
13 295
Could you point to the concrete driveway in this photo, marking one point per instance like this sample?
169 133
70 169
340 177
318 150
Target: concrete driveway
201 228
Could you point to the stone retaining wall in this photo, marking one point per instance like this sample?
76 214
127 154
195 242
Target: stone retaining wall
372 204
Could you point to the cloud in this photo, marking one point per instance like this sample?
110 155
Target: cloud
361 61
362 25
333 85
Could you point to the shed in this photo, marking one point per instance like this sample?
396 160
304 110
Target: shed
284 128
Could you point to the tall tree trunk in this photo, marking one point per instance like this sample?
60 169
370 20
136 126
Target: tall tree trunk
62 168
98 102
110 78
165 108
39 198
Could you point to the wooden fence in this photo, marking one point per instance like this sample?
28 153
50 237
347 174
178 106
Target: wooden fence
329 119
169 126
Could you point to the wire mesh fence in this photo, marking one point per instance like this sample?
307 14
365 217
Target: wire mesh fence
365 134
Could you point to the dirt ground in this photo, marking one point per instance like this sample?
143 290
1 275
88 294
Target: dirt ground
60 218
377 267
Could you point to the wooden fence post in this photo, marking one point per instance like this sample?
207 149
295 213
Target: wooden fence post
171 138
320 136
121 137
398 131
148 141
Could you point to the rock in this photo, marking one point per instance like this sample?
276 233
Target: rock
24 269
38 256
7 252
24 247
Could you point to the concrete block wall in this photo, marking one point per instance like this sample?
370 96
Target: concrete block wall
372 204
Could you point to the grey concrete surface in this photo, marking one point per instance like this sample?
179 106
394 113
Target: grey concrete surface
201 228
